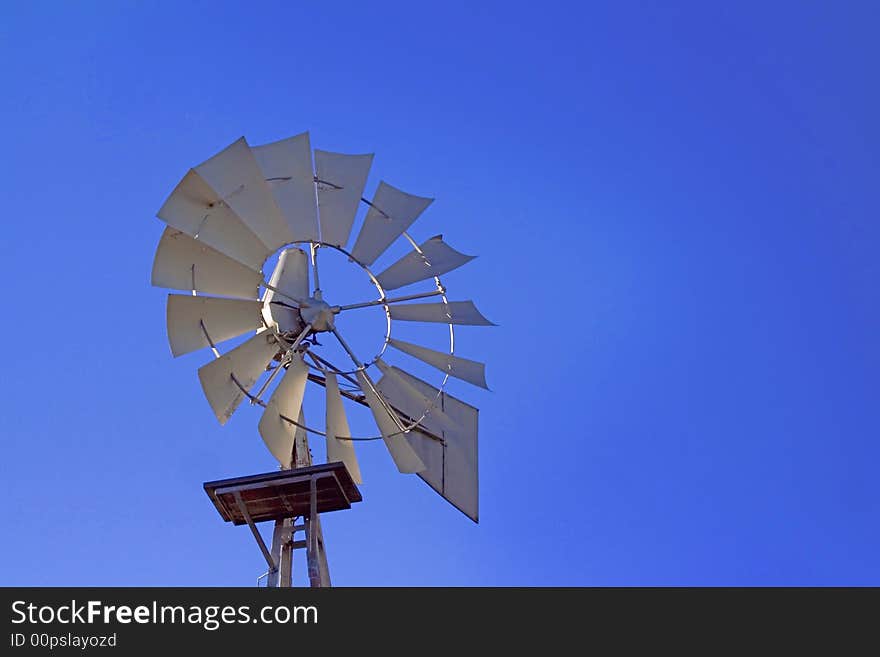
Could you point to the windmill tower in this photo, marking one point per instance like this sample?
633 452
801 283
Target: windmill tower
227 220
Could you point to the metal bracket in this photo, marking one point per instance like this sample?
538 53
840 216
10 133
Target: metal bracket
247 518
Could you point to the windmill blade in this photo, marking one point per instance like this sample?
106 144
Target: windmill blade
223 319
341 180
286 400
236 177
337 425
197 210
182 263
461 368
401 451
437 258
454 312
287 167
291 276
246 363
408 399
451 465
391 213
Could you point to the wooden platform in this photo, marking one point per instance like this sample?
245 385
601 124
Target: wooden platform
283 493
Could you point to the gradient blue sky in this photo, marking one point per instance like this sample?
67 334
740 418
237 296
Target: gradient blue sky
676 215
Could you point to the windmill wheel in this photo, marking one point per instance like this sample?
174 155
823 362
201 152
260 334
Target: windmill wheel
247 206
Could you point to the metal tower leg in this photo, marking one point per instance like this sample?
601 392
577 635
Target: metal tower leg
283 544
274 580
285 574
281 575
316 555
323 566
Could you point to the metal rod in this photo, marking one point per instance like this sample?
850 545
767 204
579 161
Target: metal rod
384 301
283 305
299 338
208 338
299 302
327 364
385 404
312 538
326 182
323 566
314 253
247 518
280 367
375 207
267 383
348 350
274 580
285 568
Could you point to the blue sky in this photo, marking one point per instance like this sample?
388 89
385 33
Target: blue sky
675 213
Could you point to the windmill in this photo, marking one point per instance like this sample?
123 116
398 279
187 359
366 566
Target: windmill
228 219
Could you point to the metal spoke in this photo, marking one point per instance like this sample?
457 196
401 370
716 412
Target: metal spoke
326 366
394 417
300 338
280 367
314 253
259 393
385 300
348 350
284 305
300 303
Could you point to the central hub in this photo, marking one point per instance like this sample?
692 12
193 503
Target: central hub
318 313
294 300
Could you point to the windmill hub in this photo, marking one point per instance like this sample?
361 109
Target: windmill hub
319 314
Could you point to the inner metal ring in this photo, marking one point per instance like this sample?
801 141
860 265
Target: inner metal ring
373 280
282 341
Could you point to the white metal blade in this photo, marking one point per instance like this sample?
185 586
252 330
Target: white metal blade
287 167
341 180
401 451
196 209
182 263
223 319
461 368
408 399
450 465
454 312
247 362
391 213
236 177
337 425
278 434
291 276
411 268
